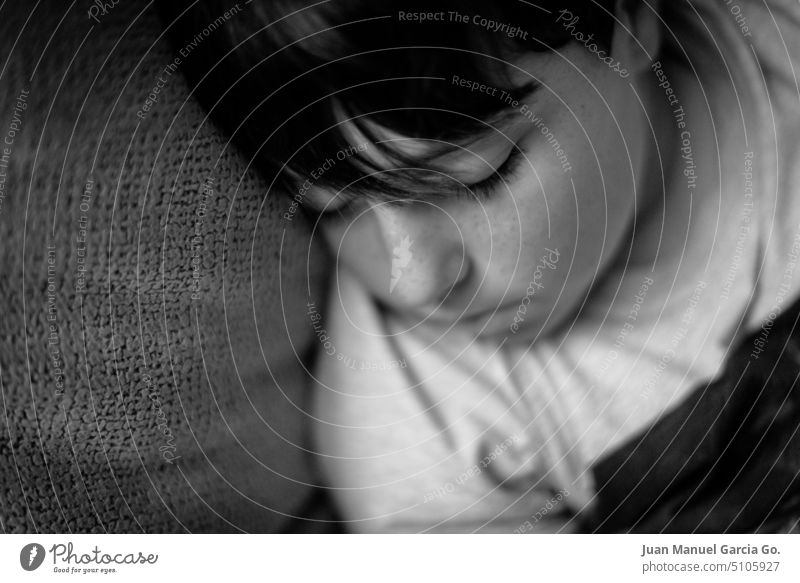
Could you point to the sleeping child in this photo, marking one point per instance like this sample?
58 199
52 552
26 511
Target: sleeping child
548 223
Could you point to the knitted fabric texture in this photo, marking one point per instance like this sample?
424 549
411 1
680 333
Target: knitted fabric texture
153 328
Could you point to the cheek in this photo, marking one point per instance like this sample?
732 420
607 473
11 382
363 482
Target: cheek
563 223
605 204
547 214
588 206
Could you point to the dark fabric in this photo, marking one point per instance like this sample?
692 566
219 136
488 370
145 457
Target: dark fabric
127 405
726 460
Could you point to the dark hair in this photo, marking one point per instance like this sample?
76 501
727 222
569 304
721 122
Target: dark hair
278 75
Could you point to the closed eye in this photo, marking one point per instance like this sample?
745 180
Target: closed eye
502 176
334 210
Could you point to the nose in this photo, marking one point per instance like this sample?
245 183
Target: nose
427 255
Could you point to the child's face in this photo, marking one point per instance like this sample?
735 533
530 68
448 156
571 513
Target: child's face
537 242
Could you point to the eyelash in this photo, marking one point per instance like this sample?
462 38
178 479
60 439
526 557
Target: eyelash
504 174
482 190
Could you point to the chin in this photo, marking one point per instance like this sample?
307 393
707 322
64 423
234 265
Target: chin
499 327
484 324
494 324
505 324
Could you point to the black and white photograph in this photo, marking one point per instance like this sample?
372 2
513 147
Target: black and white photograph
400 267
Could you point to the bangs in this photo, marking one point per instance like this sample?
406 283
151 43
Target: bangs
400 175
282 75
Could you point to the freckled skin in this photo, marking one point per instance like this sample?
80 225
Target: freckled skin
472 257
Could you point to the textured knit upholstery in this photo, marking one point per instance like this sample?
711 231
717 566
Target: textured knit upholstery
149 373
